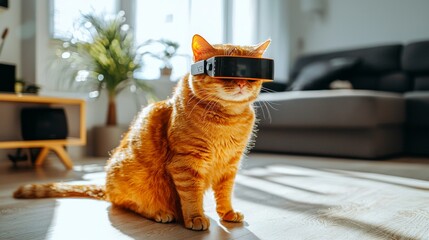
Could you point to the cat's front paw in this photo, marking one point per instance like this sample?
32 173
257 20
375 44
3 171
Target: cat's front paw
233 216
199 223
163 217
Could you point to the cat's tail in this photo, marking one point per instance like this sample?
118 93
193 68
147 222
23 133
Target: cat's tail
60 190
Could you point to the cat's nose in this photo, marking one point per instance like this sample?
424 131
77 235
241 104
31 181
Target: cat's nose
241 84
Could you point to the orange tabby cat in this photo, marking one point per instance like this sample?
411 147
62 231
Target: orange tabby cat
178 148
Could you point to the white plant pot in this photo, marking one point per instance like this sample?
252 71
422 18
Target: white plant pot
107 138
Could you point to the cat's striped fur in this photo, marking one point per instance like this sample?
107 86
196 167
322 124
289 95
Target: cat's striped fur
58 190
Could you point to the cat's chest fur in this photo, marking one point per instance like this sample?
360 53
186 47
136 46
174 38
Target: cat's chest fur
227 135
233 135
225 143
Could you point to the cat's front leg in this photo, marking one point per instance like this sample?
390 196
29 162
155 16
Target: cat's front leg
188 177
223 191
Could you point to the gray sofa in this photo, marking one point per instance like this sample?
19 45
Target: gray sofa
385 113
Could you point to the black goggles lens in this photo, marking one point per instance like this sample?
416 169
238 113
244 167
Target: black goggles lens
235 67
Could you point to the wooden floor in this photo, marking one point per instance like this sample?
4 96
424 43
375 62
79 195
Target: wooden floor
267 207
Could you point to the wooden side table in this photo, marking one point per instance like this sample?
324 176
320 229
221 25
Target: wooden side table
56 145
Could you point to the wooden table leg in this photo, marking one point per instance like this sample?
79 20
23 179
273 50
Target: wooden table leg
42 156
63 155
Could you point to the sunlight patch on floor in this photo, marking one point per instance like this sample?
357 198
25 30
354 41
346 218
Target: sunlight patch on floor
89 168
74 218
94 176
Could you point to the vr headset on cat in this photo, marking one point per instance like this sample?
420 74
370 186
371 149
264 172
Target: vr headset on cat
233 67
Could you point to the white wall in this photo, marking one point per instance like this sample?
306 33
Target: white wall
11 54
355 23
274 24
11 18
44 50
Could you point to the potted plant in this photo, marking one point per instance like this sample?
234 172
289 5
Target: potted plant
164 50
102 56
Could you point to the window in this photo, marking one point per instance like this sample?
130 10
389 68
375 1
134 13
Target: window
180 20
66 12
216 20
177 21
244 24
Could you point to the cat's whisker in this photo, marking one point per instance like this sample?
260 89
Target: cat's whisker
208 108
262 109
190 99
268 111
205 114
193 96
271 105
196 104
213 105
268 90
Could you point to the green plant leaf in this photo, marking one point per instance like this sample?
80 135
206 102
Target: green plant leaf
106 51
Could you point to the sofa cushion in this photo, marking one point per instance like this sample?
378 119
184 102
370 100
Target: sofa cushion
415 57
364 81
389 82
348 142
415 61
374 63
377 60
417 108
395 82
319 75
421 83
332 109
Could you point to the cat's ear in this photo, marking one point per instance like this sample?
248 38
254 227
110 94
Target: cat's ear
262 47
201 48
